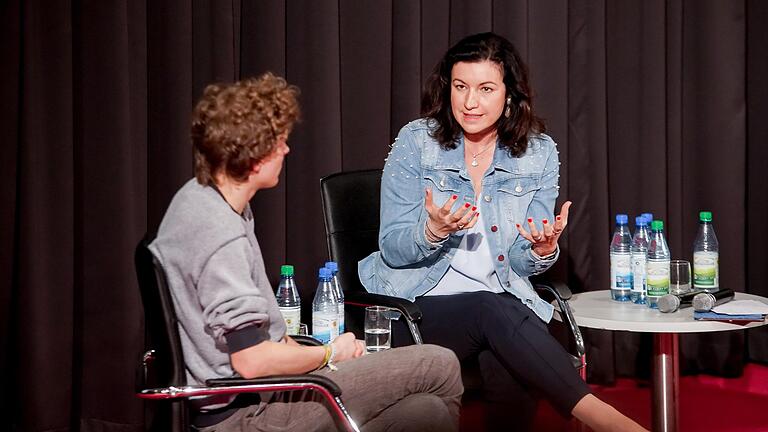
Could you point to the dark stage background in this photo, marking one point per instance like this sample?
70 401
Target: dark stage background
657 106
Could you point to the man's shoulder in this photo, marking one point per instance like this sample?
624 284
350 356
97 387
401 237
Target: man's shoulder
198 222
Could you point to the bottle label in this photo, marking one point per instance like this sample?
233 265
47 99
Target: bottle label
706 272
638 272
292 317
621 271
325 326
657 278
342 327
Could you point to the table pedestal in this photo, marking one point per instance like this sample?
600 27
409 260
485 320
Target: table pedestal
665 382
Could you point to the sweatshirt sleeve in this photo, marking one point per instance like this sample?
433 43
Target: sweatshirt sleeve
235 310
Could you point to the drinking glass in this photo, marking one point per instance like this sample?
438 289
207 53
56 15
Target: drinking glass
378 328
679 277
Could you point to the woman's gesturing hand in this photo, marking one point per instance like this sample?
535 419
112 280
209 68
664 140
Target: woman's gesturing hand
544 242
442 222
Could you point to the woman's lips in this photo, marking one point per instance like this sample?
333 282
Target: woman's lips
472 116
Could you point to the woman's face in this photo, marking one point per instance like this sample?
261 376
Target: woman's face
477 97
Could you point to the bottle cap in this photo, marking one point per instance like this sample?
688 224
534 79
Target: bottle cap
324 273
332 266
705 216
648 217
641 221
622 219
657 225
286 270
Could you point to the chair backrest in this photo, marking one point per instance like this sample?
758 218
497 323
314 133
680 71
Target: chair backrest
351 205
162 364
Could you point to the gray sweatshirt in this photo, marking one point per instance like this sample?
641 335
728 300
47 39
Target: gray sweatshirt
216 275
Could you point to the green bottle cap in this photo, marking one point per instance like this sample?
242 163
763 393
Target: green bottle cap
657 225
705 216
286 270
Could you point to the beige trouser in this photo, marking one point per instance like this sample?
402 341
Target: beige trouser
414 388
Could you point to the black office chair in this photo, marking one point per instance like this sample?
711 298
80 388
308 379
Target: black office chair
351 203
162 374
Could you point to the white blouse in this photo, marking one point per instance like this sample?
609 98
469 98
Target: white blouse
472 267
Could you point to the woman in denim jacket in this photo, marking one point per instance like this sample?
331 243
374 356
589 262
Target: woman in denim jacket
467 198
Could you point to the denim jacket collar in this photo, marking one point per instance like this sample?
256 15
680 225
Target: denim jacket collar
454 160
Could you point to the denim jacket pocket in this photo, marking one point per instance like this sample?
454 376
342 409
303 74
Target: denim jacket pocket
516 195
443 186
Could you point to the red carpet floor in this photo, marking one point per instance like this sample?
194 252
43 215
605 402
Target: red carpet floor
707 404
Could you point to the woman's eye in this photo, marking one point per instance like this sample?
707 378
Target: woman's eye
460 86
486 89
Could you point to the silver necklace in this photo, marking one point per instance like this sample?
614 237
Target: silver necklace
475 155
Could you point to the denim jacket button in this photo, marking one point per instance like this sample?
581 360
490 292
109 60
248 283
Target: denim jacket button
518 188
501 257
494 228
487 198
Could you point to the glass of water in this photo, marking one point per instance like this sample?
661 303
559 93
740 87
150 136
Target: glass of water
679 277
378 328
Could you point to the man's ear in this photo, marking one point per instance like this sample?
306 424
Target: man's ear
256 167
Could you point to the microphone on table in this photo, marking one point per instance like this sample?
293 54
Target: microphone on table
671 302
704 302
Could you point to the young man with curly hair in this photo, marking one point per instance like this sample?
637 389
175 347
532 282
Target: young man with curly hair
229 322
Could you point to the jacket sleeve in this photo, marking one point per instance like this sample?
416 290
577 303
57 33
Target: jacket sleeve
229 298
402 239
522 259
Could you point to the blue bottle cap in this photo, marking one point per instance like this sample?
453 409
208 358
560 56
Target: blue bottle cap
641 221
332 266
622 219
324 273
648 217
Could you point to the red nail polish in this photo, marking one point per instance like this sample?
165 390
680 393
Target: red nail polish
558 218
466 205
530 220
544 221
474 208
517 225
455 197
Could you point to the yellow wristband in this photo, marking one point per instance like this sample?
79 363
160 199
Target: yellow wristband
326 357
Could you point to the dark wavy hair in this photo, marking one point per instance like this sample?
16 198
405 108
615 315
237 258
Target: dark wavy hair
513 131
235 126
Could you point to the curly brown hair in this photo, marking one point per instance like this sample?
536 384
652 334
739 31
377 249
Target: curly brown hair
513 131
235 126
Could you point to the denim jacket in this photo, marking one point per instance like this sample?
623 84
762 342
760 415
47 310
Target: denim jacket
514 189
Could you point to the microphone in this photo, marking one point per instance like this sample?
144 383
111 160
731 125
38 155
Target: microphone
670 302
704 302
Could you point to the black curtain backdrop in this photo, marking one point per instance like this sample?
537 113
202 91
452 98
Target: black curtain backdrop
657 106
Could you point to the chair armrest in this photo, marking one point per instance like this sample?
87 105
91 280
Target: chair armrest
406 307
287 380
306 340
562 294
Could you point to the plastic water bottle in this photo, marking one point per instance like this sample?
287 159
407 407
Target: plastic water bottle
621 267
325 315
338 291
648 219
288 300
639 250
706 256
657 267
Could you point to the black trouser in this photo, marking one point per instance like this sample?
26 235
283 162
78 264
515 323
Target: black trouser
519 360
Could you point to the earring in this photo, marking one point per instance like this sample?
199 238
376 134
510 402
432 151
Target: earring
508 109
